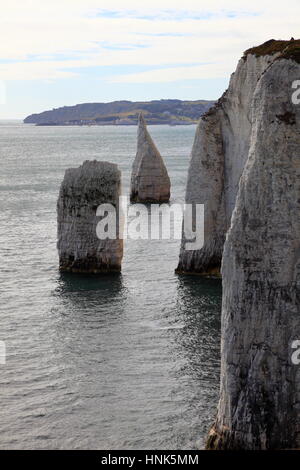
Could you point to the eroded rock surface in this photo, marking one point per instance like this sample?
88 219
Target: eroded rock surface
259 404
220 152
83 189
150 181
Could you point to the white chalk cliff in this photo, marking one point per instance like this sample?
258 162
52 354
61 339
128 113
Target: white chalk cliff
150 181
259 405
219 154
83 189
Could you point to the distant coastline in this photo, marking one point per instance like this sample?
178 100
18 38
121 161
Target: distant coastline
123 113
133 123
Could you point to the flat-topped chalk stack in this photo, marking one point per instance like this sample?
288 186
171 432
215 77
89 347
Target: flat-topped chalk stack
83 189
150 181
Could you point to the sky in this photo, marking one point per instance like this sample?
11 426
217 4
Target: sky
64 52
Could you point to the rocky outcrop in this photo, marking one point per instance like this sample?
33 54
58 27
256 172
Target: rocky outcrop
219 154
150 181
83 189
259 404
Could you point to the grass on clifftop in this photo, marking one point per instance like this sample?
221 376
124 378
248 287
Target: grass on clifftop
288 49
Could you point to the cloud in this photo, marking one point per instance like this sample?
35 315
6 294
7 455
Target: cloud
174 15
58 39
174 74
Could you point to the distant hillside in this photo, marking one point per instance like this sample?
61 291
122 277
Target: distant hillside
171 112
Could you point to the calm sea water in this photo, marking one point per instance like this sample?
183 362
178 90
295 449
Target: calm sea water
122 362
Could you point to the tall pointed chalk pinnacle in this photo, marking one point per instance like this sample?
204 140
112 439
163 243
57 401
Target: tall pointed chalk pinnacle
150 181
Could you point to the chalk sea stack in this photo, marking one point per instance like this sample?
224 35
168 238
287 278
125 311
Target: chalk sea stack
259 405
150 181
220 151
83 189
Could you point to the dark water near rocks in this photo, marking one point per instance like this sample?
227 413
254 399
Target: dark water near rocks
120 362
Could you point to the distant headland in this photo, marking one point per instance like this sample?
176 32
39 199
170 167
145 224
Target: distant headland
171 112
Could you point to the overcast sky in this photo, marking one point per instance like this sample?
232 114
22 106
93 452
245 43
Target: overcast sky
63 52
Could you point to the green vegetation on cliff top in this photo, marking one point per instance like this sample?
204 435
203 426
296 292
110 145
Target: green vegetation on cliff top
287 49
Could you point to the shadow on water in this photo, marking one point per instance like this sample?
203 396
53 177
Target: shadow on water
202 294
85 299
196 351
199 308
86 310
89 293
77 282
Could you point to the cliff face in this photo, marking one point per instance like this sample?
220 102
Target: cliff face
260 386
82 191
150 181
219 154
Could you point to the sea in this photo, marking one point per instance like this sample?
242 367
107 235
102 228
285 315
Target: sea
122 362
